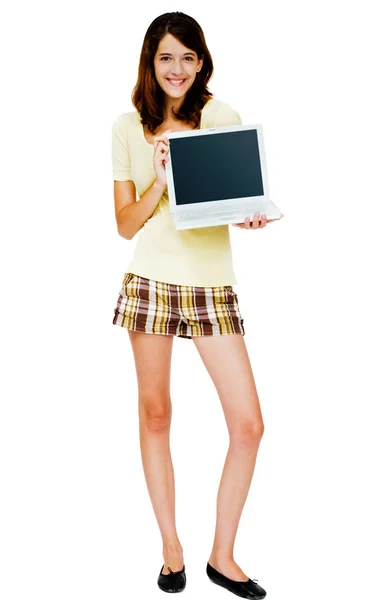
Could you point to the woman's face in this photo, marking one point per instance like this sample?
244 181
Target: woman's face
172 62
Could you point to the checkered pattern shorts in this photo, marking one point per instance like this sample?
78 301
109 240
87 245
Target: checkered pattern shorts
181 310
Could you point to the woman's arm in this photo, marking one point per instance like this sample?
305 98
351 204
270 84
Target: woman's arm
130 214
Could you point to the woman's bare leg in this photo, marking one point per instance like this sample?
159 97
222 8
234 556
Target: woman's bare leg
227 362
152 355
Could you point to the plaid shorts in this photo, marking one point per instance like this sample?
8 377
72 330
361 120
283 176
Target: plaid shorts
182 310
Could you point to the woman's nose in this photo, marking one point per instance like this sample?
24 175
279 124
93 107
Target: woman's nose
177 69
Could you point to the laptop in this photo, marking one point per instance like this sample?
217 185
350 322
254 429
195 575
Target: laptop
217 176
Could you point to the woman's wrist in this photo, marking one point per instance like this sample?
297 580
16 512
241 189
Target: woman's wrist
159 185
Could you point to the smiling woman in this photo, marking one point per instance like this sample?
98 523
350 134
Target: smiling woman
178 65
179 284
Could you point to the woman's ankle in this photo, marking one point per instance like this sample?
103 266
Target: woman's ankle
172 549
220 558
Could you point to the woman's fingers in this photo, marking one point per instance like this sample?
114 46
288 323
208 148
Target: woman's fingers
162 151
162 146
253 224
162 137
257 222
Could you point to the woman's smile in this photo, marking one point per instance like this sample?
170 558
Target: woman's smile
176 82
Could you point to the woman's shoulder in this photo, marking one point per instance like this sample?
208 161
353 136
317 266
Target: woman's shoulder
215 103
126 119
220 113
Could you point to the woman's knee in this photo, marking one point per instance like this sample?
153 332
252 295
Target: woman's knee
155 410
247 431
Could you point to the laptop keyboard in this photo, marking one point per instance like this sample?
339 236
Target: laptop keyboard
191 216
221 213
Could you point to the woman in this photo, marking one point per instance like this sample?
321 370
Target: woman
180 283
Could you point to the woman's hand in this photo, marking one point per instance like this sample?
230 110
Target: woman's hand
161 150
257 223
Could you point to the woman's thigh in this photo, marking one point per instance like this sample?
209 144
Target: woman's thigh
152 356
227 362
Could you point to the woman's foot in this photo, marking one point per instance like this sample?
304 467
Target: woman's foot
228 567
173 558
174 581
247 588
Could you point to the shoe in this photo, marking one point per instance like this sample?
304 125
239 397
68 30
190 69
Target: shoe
174 582
244 589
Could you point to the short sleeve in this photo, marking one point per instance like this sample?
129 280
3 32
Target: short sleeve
121 170
227 115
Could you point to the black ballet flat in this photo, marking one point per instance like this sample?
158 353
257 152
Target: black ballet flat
244 589
174 582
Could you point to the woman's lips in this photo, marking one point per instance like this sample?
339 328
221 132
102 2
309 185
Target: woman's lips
173 82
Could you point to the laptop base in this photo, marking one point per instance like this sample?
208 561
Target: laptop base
197 220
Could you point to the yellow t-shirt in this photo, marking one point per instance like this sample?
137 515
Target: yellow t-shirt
196 257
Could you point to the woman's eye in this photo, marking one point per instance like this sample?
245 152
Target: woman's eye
165 57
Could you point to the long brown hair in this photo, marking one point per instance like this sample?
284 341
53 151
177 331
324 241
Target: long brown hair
147 95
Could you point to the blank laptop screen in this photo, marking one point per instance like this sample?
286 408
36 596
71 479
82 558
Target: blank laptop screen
216 167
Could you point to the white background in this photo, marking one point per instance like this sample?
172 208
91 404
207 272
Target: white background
76 518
